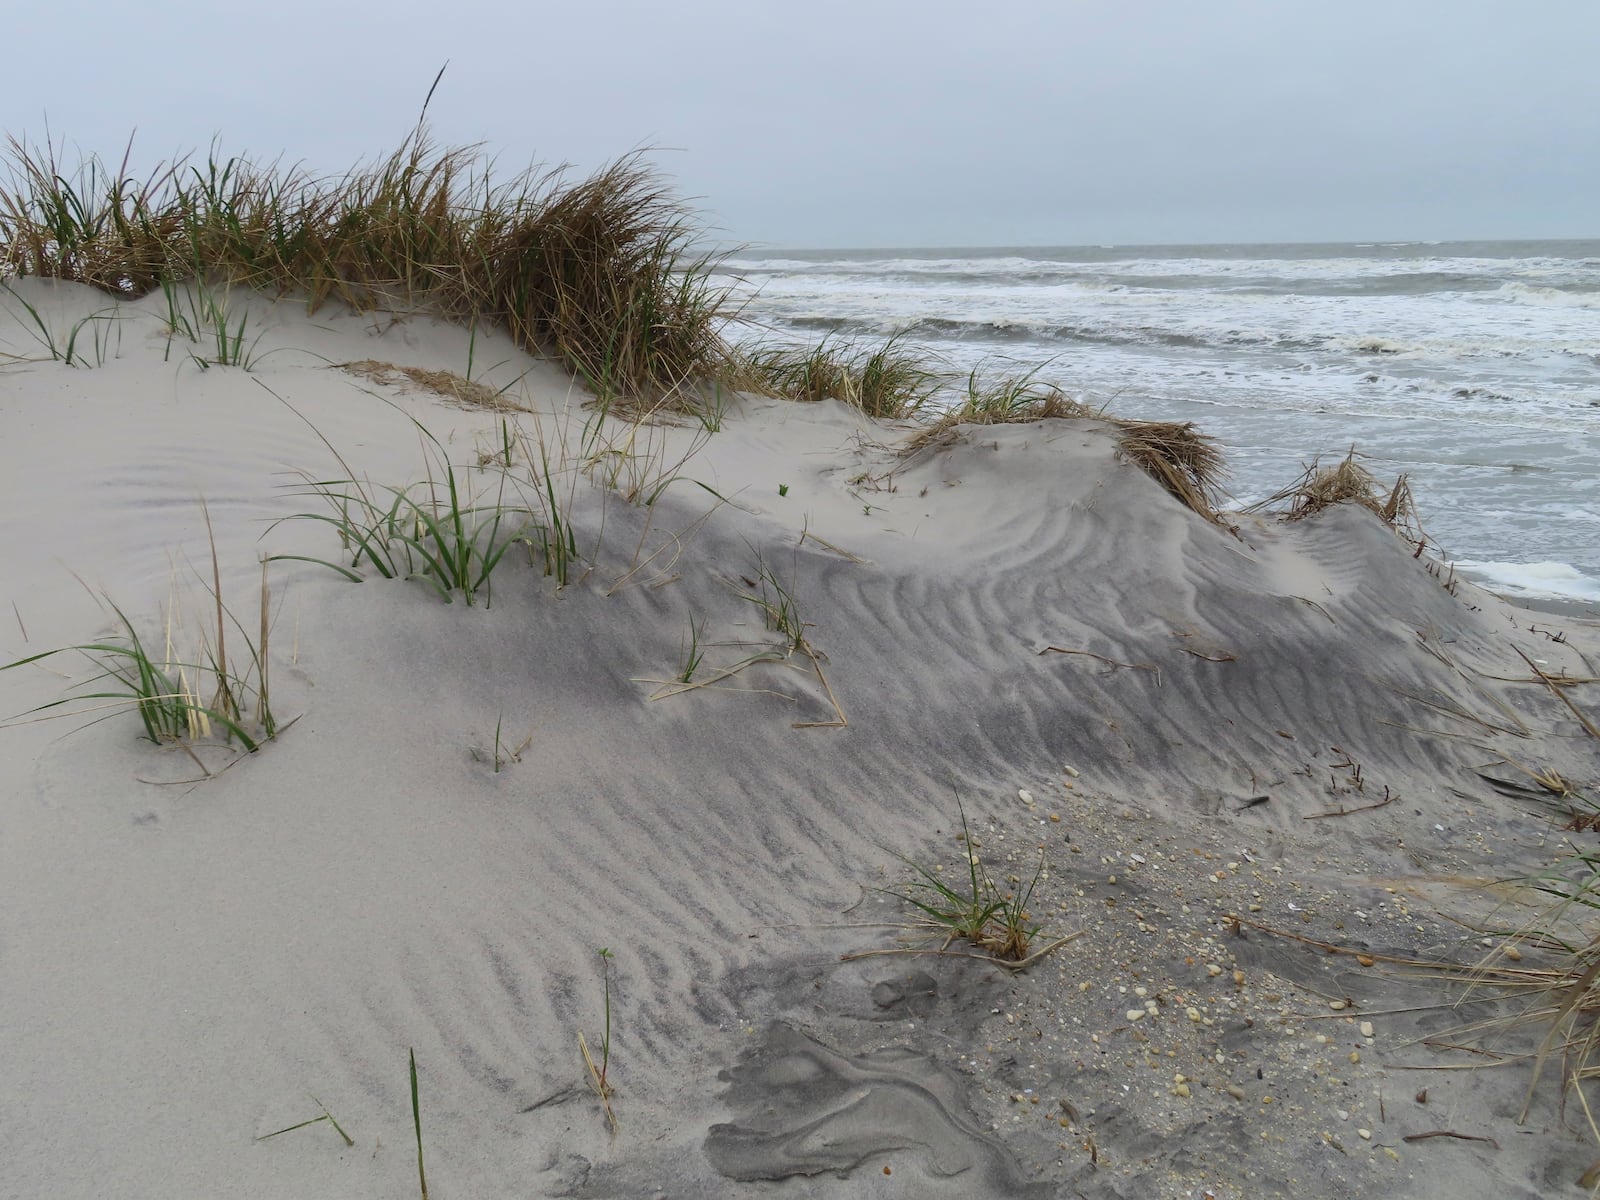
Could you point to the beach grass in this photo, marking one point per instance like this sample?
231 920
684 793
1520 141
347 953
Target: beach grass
179 700
416 1124
889 381
1347 481
998 924
598 1072
317 1120
603 273
1188 463
68 346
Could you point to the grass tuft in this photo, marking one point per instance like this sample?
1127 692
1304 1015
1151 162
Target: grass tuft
1321 487
603 273
597 1074
891 381
998 924
179 700
1183 460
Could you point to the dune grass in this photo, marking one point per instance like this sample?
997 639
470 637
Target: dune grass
891 381
435 530
996 924
1188 463
416 1124
603 273
598 1073
179 699
1013 398
67 346
326 1116
1347 481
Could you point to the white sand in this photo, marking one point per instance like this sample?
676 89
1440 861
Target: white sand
184 965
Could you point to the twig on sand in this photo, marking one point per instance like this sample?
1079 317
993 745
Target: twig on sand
1388 798
1449 1133
841 721
1550 683
1111 662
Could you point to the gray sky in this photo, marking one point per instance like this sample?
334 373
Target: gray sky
891 124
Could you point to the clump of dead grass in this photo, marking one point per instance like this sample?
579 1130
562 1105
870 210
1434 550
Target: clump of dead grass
1348 481
466 392
1183 460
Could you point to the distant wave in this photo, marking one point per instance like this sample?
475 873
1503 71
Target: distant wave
941 329
1549 297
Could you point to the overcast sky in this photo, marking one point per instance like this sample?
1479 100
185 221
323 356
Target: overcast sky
814 123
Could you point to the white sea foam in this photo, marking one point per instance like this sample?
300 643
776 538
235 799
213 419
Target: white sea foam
1555 579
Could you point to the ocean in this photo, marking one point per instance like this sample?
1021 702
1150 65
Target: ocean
1473 367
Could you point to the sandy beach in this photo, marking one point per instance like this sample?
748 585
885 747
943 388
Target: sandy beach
1252 764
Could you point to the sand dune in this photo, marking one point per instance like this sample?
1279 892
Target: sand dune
184 964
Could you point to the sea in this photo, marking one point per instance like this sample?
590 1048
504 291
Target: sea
1472 367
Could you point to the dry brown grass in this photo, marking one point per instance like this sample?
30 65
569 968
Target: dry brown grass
1347 482
458 388
1183 460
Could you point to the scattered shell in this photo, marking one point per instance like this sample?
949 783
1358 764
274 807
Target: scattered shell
1337 1005
1070 769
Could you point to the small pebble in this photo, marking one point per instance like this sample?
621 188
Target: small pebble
1234 1090
1025 796
1364 1134
1337 1005
1181 1089
1135 1014
1513 954
1213 970
1366 1029
1355 1057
